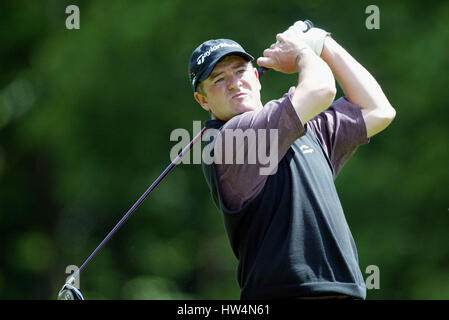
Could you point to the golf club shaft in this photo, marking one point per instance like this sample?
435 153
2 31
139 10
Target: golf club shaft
138 202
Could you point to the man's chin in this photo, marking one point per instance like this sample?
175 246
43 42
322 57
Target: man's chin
245 107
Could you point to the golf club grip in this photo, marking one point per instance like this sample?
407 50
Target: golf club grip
262 70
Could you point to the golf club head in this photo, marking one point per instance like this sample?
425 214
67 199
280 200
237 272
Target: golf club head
69 292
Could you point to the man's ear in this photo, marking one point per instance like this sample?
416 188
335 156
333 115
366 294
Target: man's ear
256 73
202 100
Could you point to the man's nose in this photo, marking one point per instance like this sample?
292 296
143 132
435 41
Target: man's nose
233 82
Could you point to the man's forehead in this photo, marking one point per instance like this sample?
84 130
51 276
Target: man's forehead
229 60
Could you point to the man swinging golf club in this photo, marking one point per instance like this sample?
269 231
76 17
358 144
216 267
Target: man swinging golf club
287 228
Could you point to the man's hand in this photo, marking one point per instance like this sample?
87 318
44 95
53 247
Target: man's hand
316 84
314 37
283 55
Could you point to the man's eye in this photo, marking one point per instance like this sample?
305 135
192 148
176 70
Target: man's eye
218 80
241 71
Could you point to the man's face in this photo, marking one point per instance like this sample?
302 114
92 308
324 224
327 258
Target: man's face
232 88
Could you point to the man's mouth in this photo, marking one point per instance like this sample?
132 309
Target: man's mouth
239 95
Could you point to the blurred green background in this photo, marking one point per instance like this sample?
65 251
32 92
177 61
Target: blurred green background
85 121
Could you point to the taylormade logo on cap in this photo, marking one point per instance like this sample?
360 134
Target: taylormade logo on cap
203 56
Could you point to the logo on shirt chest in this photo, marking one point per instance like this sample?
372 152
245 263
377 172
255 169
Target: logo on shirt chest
306 149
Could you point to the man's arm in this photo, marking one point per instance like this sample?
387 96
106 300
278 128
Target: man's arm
359 86
316 84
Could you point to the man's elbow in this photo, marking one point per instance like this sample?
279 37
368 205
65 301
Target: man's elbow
378 119
388 115
385 113
332 92
326 94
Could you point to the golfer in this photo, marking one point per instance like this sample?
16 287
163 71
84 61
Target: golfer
287 228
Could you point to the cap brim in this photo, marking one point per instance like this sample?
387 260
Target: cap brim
211 66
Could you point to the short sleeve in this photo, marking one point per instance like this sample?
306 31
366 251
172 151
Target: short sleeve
340 129
239 183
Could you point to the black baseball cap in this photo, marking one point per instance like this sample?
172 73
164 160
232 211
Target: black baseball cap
208 54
